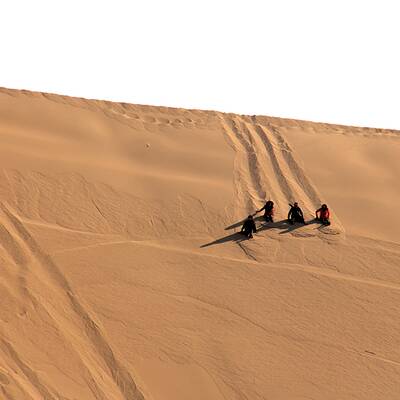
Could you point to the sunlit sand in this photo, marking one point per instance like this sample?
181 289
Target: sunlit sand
123 275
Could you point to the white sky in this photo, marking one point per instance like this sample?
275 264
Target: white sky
333 61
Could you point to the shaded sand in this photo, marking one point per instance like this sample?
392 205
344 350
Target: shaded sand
123 277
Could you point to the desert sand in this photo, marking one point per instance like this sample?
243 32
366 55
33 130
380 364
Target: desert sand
122 275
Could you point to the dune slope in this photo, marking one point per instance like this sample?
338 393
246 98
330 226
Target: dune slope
123 277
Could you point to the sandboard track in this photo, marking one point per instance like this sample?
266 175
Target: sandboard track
246 177
303 186
280 177
22 258
119 374
277 167
294 183
31 375
294 166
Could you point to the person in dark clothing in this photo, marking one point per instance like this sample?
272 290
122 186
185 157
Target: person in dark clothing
268 211
322 215
295 214
248 227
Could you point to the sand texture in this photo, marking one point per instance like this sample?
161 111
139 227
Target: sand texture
122 274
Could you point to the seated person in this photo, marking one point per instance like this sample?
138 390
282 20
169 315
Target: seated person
324 215
248 227
268 211
295 214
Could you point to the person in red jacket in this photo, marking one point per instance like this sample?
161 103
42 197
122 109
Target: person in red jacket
322 215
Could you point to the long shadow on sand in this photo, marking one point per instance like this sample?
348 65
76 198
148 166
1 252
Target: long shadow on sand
234 237
291 228
283 225
240 223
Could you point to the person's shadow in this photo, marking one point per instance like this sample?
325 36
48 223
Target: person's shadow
234 237
240 223
237 237
292 227
282 224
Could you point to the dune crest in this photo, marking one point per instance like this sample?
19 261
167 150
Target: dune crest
123 275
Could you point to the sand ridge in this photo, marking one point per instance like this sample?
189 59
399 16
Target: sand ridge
123 276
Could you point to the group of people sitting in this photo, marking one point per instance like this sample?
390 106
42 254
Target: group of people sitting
295 215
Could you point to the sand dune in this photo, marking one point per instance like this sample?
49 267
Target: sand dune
123 277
